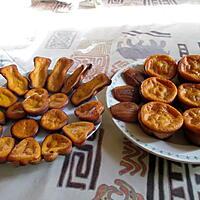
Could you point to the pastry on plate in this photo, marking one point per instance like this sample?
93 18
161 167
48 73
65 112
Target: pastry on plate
158 89
54 145
58 100
189 94
162 66
15 111
189 68
160 119
2 118
192 124
39 91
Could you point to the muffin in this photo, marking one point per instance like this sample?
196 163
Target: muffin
162 66
160 119
158 89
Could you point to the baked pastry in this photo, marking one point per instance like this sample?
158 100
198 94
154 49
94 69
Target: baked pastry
158 89
73 80
7 98
189 94
192 124
56 78
54 145
90 111
15 111
54 119
125 111
160 119
39 75
36 104
39 91
89 89
162 66
27 151
126 93
133 77
24 128
6 146
189 68
2 118
78 131
58 100
15 81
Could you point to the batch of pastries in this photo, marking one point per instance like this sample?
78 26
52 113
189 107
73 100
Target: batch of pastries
37 101
164 97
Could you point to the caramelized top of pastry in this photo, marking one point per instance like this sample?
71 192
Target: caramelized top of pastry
162 66
189 68
161 117
159 89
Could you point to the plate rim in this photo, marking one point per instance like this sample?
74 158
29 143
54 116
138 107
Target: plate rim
135 140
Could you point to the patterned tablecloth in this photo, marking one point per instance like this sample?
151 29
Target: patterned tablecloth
108 166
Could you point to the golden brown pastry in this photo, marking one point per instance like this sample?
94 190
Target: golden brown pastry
75 78
2 118
7 98
189 94
6 146
54 119
24 128
39 75
56 78
39 91
160 119
54 145
192 124
89 89
126 93
28 151
36 104
162 66
58 100
78 131
125 111
158 89
189 68
15 111
90 111
15 81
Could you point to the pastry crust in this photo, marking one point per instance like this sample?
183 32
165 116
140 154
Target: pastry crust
7 98
15 111
24 128
90 111
6 146
54 145
192 120
162 66
27 151
56 78
2 118
58 100
158 89
78 131
160 118
189 94
75 78
39 91
39 75
54 119
189 68
15 81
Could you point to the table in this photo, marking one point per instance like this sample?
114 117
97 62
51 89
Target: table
108 166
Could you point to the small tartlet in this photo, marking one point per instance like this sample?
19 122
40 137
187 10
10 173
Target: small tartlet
163 66
189 68
158 89
160 119
189 94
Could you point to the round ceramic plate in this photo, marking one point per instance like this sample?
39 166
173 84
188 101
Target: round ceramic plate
176 148
69 110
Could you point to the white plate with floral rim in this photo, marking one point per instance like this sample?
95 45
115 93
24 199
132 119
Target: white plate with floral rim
176 148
